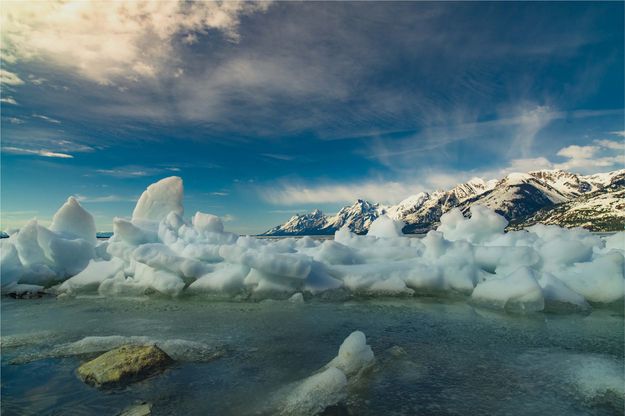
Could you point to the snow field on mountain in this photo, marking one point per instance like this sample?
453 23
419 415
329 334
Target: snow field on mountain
159 252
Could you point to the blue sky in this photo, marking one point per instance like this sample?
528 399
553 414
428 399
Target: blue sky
266 109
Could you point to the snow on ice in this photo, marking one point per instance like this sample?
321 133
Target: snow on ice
158 251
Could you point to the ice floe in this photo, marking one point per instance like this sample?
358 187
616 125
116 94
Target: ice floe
158 251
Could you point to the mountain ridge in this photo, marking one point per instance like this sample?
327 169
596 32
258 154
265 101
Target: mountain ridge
549 196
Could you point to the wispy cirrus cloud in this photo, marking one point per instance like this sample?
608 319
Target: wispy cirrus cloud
519 132
602 155
46 118
8 100
35 152
105 198
137 171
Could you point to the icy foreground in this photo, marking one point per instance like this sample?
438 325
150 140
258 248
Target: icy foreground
158 251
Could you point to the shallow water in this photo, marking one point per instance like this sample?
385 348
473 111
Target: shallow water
454 359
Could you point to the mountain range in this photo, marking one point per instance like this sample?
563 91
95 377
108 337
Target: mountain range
596 202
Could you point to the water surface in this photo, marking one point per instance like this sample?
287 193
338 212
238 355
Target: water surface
433 356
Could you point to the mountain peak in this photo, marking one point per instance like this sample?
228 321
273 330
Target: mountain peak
516 196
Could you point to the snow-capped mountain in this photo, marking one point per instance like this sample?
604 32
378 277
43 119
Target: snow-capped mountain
601 210
301 224
518 196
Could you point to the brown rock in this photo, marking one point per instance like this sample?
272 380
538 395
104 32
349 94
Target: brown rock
122 365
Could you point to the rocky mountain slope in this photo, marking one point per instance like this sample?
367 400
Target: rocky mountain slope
601 210
546 196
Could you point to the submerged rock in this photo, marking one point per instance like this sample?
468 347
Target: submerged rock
124 364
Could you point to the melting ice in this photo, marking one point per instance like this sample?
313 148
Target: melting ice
158 251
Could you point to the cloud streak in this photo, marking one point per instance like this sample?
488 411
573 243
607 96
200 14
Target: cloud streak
105 198
36 152
378 191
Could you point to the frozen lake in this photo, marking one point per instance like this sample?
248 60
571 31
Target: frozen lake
433 356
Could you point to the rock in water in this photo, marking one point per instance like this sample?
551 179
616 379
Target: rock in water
124 364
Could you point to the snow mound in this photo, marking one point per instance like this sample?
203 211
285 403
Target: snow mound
159 252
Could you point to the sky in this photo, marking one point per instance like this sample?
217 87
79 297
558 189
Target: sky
270 109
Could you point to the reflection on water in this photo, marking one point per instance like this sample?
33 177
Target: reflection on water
433 357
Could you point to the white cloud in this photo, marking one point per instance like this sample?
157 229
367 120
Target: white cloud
220 193
378 191
15 120
619 133
611 144
278 156
135 171
589 158
582 159
527 165
9 78
578 152
105 198
46 118
38 152
584 165
106 40
8 100
16 219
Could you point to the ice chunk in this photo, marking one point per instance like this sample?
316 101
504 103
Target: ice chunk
354 355
278 264
297 298
159 199
159 251
11 267
161 257
226 279
385 227
90 278
312 395
47 256
178 349
498 258
615 242
557 293
144 280
73 220
332 252
27 244
207 223
517 291
319 280
131 233
483 225
600 280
